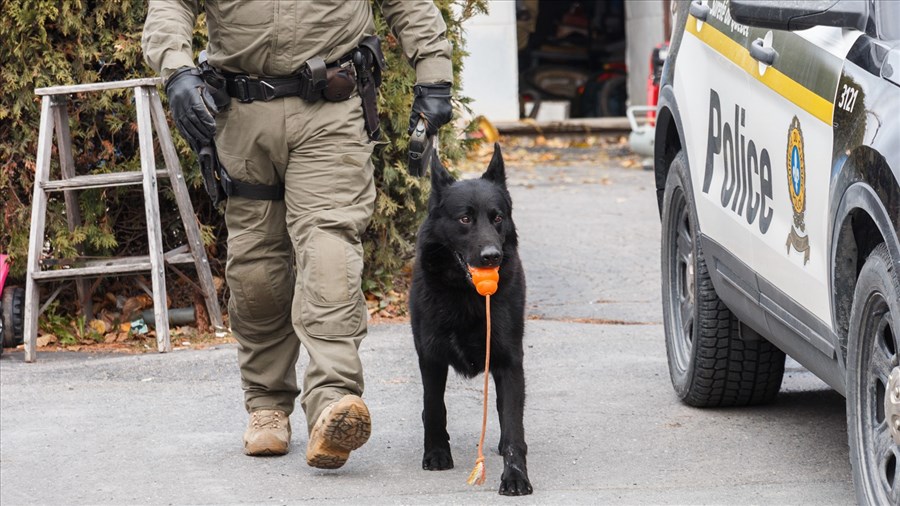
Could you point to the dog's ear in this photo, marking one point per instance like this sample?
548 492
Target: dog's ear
440 178
496 172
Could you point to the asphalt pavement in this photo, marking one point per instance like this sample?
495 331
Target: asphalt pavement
602 422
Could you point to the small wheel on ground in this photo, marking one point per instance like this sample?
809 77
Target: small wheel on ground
873 381
709 363
12 310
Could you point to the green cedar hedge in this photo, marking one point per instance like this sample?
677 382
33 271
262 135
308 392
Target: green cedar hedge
56 42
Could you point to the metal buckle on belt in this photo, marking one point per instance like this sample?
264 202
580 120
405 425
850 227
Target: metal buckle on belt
245 96
267 90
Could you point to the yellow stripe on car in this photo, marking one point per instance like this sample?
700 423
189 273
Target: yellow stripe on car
780 83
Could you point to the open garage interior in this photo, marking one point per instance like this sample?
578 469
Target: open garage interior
571 59
555 60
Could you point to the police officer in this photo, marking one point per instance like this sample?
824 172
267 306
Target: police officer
274 132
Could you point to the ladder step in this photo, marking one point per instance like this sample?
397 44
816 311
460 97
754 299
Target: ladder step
99 180
111 266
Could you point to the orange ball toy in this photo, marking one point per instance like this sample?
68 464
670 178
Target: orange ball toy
485 279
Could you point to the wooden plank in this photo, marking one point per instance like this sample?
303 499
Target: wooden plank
36 235
51 298
95 270
73 210
111 268
185 208
177 251
179 255
100 180
182 258
151 207
613 125
111 85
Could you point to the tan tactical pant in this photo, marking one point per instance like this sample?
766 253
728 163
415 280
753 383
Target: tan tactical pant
321 152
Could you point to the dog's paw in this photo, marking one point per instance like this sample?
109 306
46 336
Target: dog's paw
515 483
437 459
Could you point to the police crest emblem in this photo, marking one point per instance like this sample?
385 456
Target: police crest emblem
796 175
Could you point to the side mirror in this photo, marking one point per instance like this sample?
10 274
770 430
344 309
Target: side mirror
799 15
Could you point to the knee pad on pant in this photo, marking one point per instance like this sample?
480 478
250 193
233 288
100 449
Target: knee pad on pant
261 292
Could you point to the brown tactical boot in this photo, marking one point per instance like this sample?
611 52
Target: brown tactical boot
343 427
268 433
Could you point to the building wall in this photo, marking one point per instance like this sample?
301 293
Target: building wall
490 75
645 28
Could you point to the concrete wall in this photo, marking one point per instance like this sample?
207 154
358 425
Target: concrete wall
644 26
490 73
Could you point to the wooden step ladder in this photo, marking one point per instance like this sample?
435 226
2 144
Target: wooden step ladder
150 117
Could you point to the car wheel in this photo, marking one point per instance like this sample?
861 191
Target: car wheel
709 363
873 395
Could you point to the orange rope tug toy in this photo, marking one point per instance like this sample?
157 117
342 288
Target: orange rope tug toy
485 280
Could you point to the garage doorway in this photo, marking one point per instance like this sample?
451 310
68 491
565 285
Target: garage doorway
571 57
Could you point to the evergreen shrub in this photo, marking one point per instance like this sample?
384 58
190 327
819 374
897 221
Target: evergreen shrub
58 42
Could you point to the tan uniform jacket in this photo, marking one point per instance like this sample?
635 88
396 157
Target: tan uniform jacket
275 37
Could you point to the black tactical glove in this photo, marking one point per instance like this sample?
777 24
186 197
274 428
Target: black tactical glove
433 103
192 106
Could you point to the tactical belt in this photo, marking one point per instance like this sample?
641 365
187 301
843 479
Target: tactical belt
308 84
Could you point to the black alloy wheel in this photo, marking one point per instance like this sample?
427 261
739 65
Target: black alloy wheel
872 392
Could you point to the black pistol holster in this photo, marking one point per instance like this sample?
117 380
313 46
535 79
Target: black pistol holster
369 63
215 82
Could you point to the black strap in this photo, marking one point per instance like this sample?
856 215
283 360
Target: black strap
247 89
252 191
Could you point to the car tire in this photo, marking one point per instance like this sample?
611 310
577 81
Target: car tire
614 97
12 304
709 363
872 354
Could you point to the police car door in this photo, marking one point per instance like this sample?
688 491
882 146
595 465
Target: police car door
761 158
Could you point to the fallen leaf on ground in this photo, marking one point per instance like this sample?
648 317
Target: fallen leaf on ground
46 340
99 326
135 304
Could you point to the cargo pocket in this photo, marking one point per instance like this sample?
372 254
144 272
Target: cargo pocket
236 167
256 169
341 319
332 304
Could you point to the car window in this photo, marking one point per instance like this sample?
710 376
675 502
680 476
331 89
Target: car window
888 19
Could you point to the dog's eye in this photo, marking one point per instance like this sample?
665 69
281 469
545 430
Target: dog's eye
498 218
465 219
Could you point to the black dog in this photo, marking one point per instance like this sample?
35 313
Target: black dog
470 223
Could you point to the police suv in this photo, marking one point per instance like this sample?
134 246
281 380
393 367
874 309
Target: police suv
777 160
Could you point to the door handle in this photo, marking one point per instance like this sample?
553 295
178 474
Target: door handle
699 11
761 53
